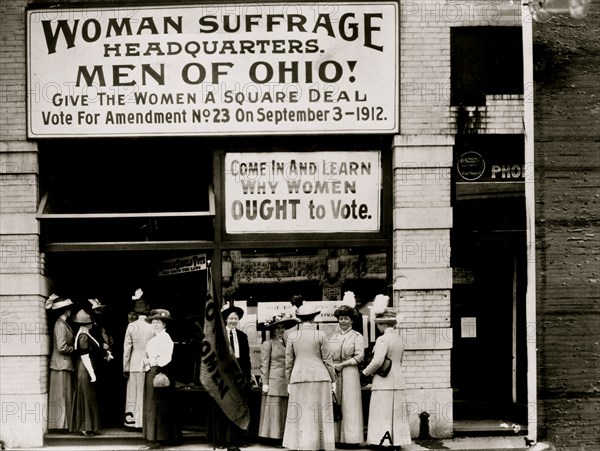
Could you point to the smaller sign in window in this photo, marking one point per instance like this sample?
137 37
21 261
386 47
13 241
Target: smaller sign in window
302 192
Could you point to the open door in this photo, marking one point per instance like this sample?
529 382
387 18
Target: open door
112 278
488 369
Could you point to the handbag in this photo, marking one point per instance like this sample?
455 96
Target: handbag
385 368
161 381
337 409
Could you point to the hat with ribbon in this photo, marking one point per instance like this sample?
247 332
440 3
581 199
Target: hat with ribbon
140 306
82 317
55 302
229 309
285 319
95 304
159 313
388 316
307 312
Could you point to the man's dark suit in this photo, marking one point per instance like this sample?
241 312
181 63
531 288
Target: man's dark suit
244 359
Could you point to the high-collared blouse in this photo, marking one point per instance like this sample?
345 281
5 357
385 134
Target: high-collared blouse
160 349
347 346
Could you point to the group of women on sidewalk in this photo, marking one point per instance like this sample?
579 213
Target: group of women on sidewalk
75 364
304 370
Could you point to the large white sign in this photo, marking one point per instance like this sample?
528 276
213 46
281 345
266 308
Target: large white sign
266 310
234 69
302 192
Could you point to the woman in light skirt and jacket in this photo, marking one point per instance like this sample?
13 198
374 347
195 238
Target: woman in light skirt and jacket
388 415
309 372
60 392
274 403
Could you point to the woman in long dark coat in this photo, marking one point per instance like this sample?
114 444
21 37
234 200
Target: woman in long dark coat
160 425
85 415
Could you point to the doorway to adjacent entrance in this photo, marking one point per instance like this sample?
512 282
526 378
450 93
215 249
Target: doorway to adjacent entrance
489 366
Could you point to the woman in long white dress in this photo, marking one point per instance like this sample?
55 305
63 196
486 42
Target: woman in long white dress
347 348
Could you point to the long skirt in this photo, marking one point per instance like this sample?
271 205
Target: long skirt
388 417
273 410
309 419
160 415
134 400
85 415
349 396
60 399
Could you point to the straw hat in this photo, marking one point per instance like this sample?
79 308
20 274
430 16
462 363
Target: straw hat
95 304
82 317
55 302
388 316
307 312
159 313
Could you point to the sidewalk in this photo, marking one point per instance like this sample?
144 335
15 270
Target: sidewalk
464 444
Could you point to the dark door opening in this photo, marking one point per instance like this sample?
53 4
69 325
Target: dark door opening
488 369
113 278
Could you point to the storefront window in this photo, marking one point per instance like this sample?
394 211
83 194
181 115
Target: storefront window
256 275
125 191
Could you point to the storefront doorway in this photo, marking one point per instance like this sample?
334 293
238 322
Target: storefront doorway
112 278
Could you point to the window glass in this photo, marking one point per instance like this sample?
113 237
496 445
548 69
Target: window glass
256 275
125 176
485 60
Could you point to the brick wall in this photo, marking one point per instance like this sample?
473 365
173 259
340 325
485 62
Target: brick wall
567 147
24 345
12 71
501 114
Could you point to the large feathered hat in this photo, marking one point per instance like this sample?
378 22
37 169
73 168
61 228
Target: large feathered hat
140 306
348 307
383 313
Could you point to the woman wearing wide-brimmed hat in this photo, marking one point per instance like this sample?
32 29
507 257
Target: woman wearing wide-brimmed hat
60 392
309 372
272 368
160 424
348 350
85 415
137 335
388 416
